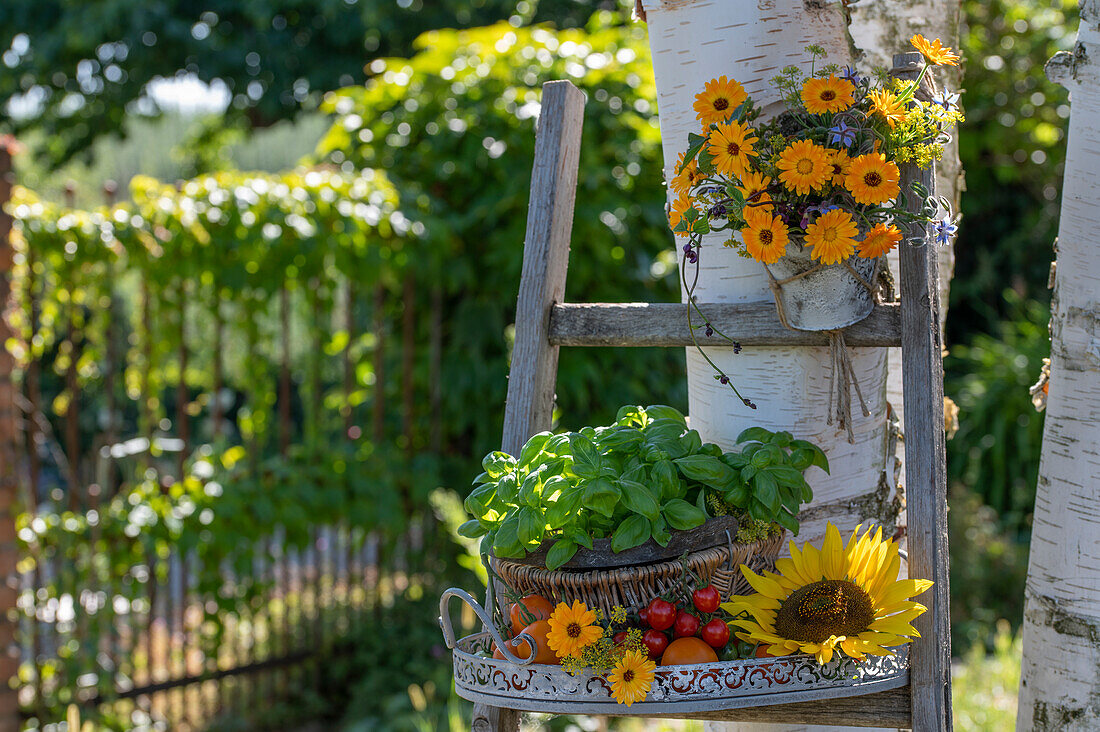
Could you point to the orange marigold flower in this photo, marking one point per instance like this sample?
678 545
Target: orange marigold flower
879 241
934 51
676 213
718 100
827 95
886 104
732 147
686 177
754 187
839 162
765 235
632 677
572 629
873 179
832 236
804 166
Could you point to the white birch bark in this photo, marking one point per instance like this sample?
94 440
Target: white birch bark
1060 678
693 41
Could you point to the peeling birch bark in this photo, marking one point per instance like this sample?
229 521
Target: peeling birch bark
1060 677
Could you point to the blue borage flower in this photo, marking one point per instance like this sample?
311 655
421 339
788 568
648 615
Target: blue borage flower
947 100
944 230
850 74
843 133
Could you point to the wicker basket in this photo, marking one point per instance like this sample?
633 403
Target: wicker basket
633 587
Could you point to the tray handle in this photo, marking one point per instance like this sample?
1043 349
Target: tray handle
487 622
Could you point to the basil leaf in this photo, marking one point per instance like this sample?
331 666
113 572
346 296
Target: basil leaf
472 529
767 492
662 411
507 543
754 434
498 463
682 516
707 470
639 499
560 511
530 526
562 551
632 532
621 438
601 495
533 448
660 532
584 451
477 503
507 488
788 522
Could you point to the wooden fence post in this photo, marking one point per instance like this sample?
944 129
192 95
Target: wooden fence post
9 475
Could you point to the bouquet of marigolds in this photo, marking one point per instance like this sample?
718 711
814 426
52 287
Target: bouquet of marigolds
823 174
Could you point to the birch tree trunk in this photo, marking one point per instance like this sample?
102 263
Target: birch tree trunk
1060 678
692 42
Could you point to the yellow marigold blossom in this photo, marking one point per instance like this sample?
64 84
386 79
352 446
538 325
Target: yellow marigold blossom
934 51
718 100
873 179
732 147
840 162
676 213
765 236
839 597
686 177
886 104
879 241
804 167
754 187
832 236
572 629
632 677
827 95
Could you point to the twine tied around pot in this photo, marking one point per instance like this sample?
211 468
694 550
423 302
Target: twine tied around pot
842 378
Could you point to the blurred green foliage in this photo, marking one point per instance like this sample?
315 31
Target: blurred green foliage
984 684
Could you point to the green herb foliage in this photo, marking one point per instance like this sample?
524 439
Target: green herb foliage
638 479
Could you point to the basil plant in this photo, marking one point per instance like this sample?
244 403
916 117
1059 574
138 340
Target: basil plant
638 479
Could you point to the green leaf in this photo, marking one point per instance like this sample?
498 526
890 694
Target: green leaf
660 533
661 411
695 144
707 470
601 495
632 532
782 439
507 488
692 443
579 536
530 493
562 551
767 492
584 451
666 480
631 416
498 463
530 526
533 448
639 499
477 503
787 521
682 516
620 438
561 511
472 529
819 458
507 543
754 434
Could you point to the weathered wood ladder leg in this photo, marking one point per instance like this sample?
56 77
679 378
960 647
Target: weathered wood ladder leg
534 371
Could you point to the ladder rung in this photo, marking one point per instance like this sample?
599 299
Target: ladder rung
665 324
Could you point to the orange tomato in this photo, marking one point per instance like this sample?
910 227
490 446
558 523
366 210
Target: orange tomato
688 650
762 651
537 608
520 649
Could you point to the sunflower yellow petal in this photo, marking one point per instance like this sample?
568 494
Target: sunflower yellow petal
900 590
811 562
852 647
763 585
832 556
788 568
895 625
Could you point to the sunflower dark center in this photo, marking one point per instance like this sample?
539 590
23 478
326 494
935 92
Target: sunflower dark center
872 179
721 104
573 630
828 95
805 166
766 236
628 676
733 148
828 607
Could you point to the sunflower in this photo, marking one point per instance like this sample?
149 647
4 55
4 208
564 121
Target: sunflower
873 179
765 235
845 597
886 104
879 241
804 166
572 629
632 677
840 163
731 145
934 51
679 207
718 100
754 187
832 236
686 177
827 95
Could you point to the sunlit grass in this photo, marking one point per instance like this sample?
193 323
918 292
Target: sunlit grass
985 686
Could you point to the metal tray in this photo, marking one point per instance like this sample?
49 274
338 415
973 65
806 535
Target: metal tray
513 684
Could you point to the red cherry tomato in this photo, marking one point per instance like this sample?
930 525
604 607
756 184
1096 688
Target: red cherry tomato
706 599
661 615
655 642
686 625
715 634
643 616
620 637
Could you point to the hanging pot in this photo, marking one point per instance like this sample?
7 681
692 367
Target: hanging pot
812 296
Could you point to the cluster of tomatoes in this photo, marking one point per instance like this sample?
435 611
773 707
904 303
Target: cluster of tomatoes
682 633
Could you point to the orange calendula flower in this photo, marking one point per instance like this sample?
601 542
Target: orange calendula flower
873 179
832 236
879 241
572 629
804 166
934 51
839 162
632 677
886 104
732 147
754 187
686 177
827 95
765 236
676 213
718 100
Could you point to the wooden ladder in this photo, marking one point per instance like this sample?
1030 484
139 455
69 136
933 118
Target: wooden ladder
544 323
